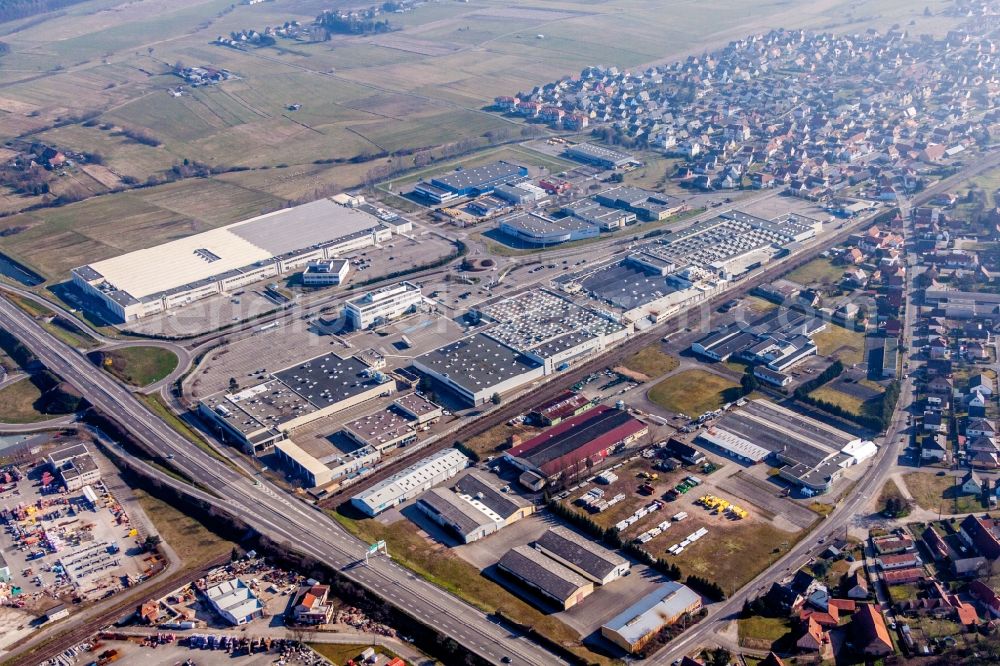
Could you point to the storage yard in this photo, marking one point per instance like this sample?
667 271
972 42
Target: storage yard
62 547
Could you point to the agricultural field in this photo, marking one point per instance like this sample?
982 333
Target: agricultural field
52 241
77 78
694 392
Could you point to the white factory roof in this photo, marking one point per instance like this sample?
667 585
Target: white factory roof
649 613
235 598
860 449
423 471
735 444
212 253
302 457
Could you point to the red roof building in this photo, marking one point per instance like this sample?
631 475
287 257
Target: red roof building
985 595
562 407
591 436
871 634
982 535
903 576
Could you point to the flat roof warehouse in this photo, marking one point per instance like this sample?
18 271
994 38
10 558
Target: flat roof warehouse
188 268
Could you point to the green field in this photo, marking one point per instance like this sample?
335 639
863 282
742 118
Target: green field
843 400
139 366
842 343
341 653
17 403
760 632
733 557
939 493
694 392
817 271
652 362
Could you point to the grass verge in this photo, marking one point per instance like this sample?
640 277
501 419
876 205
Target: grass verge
155 403
139 366
17 403
440 566
194 543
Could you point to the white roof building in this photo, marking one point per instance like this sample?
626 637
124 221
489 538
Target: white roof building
407 484
235 601
860 450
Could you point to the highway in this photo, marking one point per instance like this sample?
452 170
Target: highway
271 512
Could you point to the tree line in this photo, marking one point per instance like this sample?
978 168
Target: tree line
612 538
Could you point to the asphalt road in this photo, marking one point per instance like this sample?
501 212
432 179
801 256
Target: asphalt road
273 513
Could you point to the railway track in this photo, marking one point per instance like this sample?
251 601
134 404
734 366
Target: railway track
79 631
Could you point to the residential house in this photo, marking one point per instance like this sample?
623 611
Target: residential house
983 452
971 484
983 534
934 422
969 567
976 404
986 596
935 544
898 561
871 635
980 427
857 585
981 383
933 448
814 638
313 606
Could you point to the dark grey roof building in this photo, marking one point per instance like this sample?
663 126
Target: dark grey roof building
583 556
546 576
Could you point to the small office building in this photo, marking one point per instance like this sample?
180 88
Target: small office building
410 482
326 272
381 306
